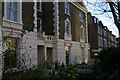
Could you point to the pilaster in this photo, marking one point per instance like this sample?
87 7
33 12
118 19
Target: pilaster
86 29
35 15
56 30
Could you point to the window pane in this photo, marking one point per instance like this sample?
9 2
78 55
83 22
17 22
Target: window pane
8 14
38 5
67 27
12 12
66 6
8 4
81 17
12 15
39 24
81 33
15 5
15 16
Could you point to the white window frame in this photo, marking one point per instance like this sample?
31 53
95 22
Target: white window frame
95 20
109 44
67 21
105 33
99 41
99 29
111 38
39 28
105 42
81 32
81 16
8 17
67 8
102 42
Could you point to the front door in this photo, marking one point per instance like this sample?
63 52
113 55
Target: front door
41 56
67 49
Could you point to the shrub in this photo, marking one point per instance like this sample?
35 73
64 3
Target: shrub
32 74
67 72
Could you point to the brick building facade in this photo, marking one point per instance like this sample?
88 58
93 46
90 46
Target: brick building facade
100 37
39 32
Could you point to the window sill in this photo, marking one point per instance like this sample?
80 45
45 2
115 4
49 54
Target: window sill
67 14
67 37
13 22
39 10
81 21
67 34
82 40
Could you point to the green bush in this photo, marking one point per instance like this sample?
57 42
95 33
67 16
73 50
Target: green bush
32 74
62 73
68 72
110 59
9 59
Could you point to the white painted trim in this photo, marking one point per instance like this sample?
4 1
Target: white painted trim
68 36
56 30
56 19
35 15
78 7
20 13
40 27
67 3
86 33
12 22
82 39
67 20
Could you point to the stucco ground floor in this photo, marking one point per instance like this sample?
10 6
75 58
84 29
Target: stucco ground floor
33 50
48 49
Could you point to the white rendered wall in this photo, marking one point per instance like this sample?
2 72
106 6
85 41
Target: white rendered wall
61 52
75 53
76 56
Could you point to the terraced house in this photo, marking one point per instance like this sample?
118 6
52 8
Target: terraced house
100 37
37 32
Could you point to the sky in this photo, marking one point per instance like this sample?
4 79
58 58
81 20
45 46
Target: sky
106 18
109 23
